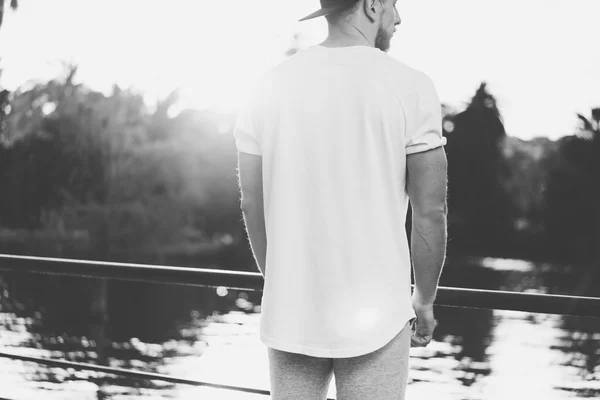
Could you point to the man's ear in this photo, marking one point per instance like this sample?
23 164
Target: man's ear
371 9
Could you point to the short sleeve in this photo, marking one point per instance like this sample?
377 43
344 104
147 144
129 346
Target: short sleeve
246 131
424 119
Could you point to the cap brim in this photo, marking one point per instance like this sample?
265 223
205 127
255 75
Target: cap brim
321 12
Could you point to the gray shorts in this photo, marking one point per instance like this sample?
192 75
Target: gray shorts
382 374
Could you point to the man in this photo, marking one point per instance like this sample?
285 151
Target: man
332 144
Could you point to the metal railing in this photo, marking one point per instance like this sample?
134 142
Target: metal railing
128 373
447 296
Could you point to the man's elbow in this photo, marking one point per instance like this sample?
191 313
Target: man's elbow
433 214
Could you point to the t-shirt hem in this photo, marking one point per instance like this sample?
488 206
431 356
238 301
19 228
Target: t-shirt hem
425 147
249 150
372 346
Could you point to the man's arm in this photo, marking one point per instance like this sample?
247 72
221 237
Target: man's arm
427 189
250 184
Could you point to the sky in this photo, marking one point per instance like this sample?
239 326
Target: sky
539 57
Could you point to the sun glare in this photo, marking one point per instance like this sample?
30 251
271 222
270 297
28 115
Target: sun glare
215 51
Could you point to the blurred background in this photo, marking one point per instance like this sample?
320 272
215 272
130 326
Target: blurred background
116 144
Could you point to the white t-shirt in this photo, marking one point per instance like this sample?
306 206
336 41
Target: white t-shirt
333 127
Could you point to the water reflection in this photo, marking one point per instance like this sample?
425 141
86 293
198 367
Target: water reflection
212 335
581 342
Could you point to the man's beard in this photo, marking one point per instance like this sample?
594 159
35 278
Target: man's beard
382 39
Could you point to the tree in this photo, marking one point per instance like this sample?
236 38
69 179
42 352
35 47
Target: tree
140 181
528 164
572 214
590 127
479 209
4 94
13 4
590 130
4 107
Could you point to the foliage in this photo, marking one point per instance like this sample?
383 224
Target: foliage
516 198
137 180
13 4
572 215
480 211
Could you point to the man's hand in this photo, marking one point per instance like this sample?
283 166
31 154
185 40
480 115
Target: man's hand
424 325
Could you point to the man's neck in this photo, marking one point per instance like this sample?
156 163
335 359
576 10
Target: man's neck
346 35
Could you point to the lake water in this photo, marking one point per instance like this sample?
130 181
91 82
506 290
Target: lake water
211 335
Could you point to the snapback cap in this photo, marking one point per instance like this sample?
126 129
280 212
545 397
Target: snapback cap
329 6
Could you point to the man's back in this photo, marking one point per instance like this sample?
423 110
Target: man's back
334 126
